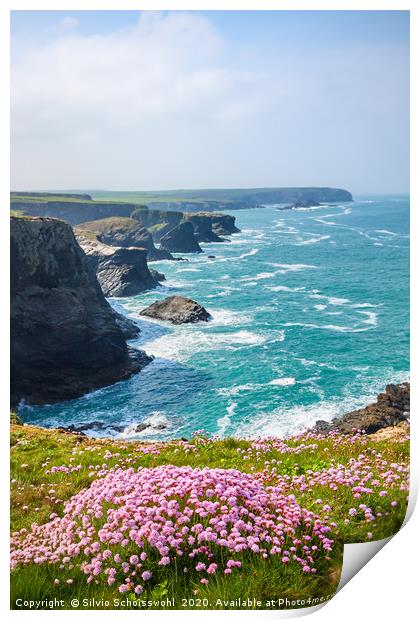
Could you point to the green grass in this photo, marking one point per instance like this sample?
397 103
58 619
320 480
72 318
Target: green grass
108 225
35 450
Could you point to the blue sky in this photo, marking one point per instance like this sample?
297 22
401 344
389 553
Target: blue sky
129 100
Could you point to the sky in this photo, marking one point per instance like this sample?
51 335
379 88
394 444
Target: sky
135 100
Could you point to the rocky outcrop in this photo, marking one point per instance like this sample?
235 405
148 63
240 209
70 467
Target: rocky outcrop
181 239
124 232
390 409
223 224
203 228
157 275
121 272
305 204
64 337
177 310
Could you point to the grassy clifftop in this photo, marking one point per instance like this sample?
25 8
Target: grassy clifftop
286 507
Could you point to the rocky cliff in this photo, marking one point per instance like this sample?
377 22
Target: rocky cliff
73 212
125 232
121 272
181 239
64 337
392 407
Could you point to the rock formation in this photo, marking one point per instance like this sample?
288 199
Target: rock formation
181 239
64 337
177 310
121 272
223 224
390 409
305 204
203 229
124 232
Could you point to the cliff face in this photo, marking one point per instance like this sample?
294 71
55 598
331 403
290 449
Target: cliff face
181 239
124 232
202 224
121 272
64 337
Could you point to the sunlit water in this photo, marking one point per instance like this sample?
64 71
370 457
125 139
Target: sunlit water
310 319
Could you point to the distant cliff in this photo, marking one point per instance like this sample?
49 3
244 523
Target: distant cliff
64 337
77 208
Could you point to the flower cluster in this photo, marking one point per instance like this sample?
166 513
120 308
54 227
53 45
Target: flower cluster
128 523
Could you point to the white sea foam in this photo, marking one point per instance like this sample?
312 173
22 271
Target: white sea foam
320 306
184 343
288 289
260 276
154 421
283 381
335 328
372 317
224 422
386 232
286 267
333 301
249 253
313 240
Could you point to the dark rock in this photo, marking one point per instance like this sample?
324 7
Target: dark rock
129 328
64 338
306 204
177 309
202 224
224 224
121 272
124 232
181 239
390 409
157 275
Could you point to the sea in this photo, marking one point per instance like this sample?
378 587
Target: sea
310 320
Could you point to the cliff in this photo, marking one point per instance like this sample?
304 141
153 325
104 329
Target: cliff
121 272
125 232
64 337
71 211
181 239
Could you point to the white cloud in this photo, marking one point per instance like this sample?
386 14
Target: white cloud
168 102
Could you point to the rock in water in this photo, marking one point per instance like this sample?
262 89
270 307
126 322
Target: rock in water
181 239
121 272
203 230
64 337
223 224
177 309
391 408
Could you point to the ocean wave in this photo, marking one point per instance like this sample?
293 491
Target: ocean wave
330 327
288 289
224 422
333 301
283 381
313 240
294 267
183 344
155 421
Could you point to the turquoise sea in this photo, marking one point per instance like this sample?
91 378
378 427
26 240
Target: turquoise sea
310 320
